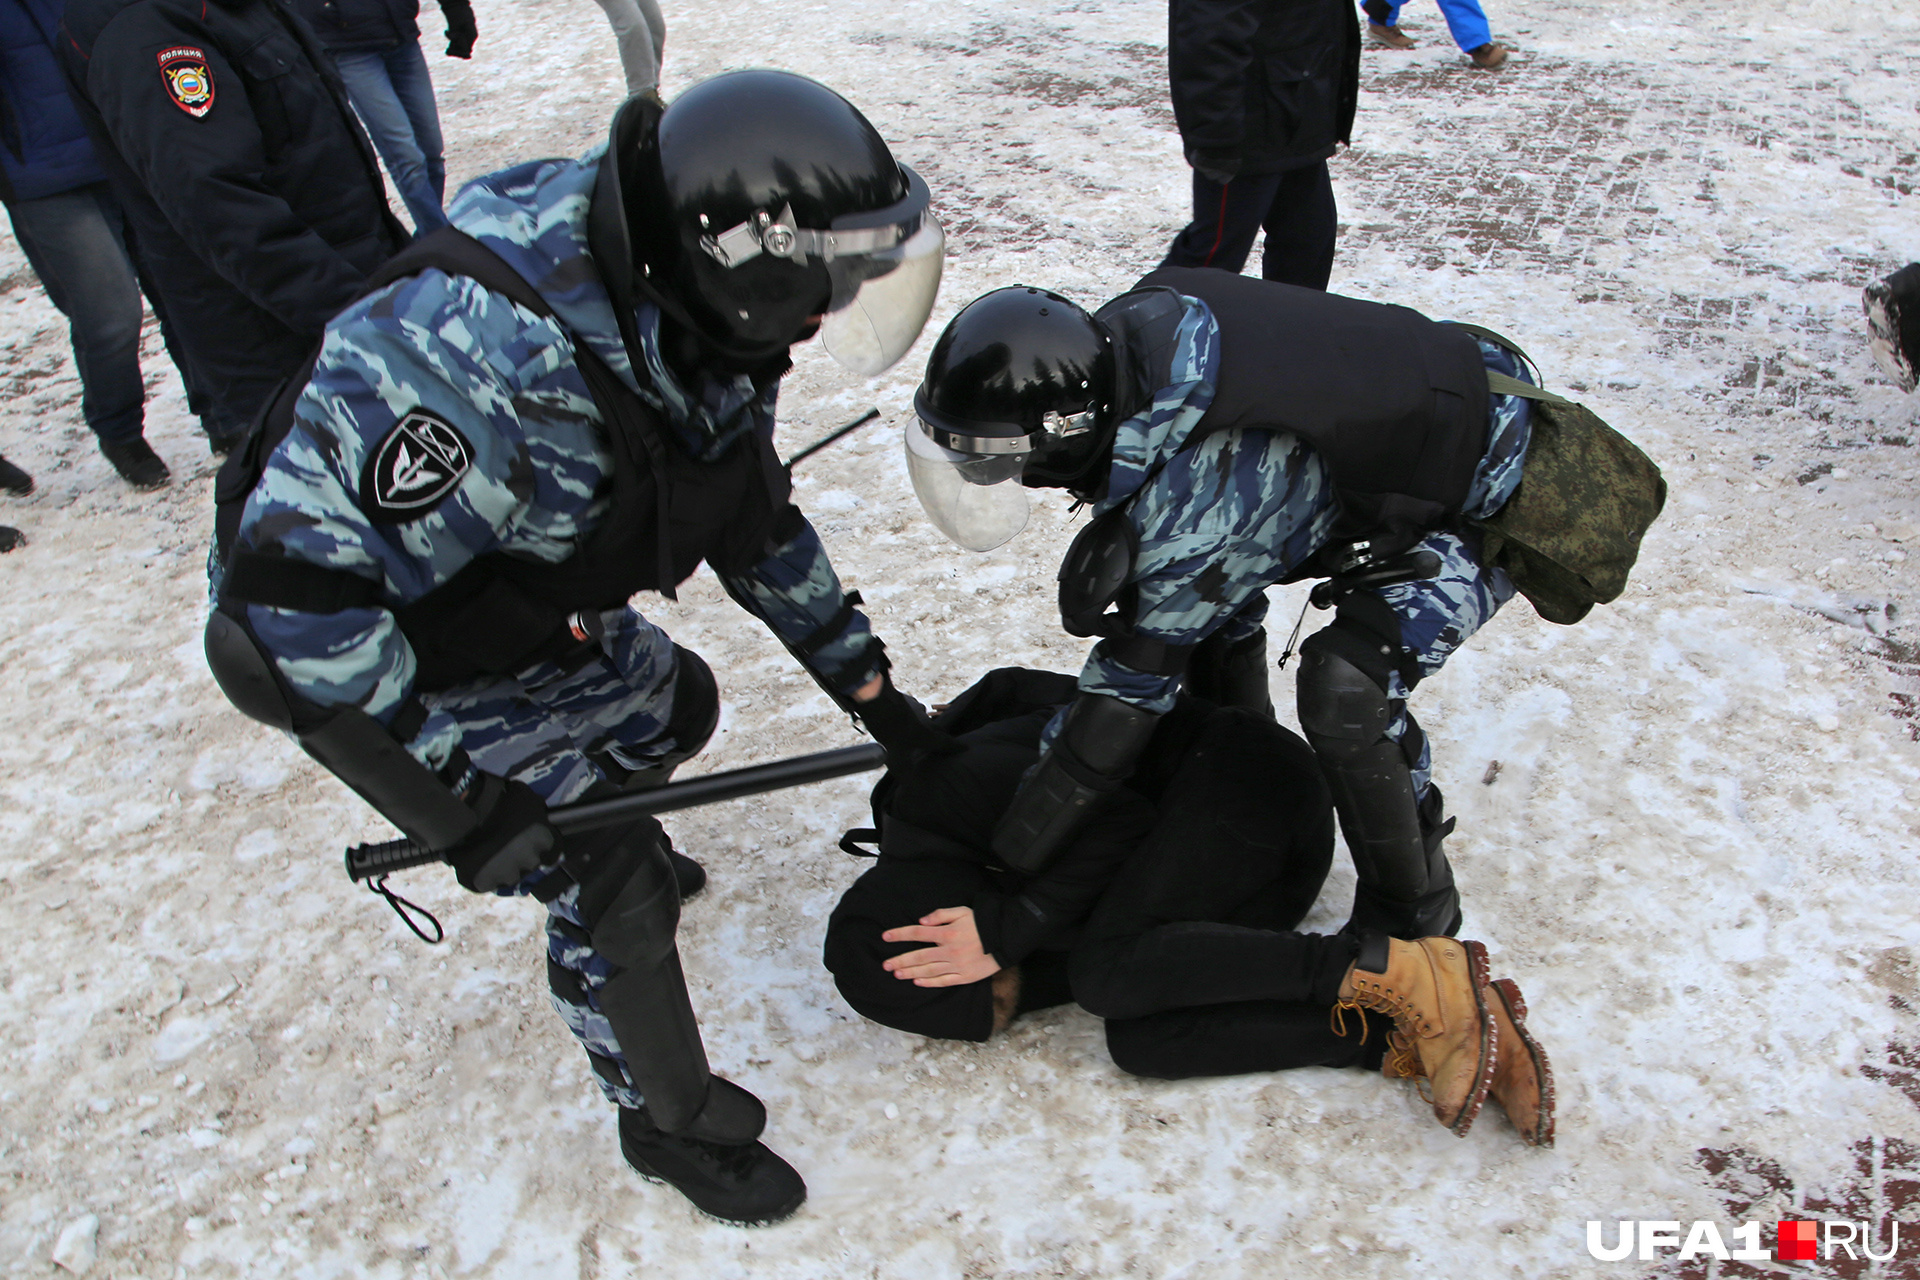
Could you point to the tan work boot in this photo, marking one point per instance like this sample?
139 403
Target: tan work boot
1522 1077
1489 57
1433 990
1392 37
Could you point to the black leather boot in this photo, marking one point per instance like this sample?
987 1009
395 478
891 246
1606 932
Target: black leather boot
745 1184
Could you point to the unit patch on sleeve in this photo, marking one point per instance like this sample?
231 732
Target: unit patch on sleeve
419 463
183 69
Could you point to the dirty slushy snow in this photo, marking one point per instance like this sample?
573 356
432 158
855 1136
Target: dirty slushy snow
1696 854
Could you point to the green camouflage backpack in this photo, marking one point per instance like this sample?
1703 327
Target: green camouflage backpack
1587 495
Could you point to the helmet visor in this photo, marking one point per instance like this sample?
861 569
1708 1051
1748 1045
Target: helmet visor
885 268
974 499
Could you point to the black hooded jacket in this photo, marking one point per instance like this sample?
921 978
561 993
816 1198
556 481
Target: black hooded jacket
1262 86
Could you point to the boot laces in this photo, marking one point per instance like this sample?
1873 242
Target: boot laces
1337 1019
1403 1060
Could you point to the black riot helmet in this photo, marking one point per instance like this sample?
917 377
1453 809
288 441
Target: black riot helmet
759 200
1020 386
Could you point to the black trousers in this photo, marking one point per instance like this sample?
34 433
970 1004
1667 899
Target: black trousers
1190 954
1296 209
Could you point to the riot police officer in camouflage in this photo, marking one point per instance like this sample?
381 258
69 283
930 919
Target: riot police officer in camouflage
567 398
1230 434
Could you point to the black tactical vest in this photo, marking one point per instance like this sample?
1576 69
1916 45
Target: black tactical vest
666 514
1394 402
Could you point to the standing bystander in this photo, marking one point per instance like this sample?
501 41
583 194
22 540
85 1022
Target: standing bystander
1264 92
375 45
641 33
73 234
253 195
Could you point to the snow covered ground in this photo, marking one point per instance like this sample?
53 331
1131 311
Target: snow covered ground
1697 853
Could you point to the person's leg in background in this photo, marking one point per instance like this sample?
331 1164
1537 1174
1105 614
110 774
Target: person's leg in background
74 244
1471 31
1301 224
1225 217
1383 24
413 85
390 118
640 32
199 401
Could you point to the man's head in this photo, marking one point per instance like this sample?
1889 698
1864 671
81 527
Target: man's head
1020 387
762 206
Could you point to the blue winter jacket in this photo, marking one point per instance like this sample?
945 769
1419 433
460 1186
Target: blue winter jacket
43 142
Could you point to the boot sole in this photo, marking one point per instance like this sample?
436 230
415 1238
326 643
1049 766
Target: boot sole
1479 971
770 1219
1540 1133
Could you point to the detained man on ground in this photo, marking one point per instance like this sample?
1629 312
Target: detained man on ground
1173 913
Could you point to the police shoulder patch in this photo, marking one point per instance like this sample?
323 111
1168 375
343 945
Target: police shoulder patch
419 462
189 81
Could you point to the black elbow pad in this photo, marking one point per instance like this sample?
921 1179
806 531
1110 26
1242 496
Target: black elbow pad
354 747
1095 752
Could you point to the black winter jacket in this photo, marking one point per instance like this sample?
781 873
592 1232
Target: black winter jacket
1261 86
254 194
349 26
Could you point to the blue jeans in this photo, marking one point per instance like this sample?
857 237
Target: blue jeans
393 96
76 243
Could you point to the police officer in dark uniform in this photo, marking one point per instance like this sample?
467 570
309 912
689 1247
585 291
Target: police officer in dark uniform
1234 433
253 193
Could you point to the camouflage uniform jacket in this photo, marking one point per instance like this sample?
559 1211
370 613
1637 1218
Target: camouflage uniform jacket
534 487
1238 512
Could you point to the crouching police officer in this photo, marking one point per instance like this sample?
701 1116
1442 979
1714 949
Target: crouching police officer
1232 433
565 399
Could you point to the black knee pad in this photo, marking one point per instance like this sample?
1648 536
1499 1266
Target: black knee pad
630 900
696 703
1343 705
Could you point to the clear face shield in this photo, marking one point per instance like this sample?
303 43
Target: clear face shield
976 499
884 264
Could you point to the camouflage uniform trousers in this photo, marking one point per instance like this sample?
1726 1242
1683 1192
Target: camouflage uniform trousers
540 728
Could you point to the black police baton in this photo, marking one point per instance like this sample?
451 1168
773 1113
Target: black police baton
368 861
830 437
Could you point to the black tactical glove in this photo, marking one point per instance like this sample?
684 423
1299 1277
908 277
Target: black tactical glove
462 30
513 839
900 724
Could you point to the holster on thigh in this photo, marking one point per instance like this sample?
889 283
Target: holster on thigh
630 905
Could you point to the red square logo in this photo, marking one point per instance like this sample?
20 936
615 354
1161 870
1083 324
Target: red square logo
1797 1241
